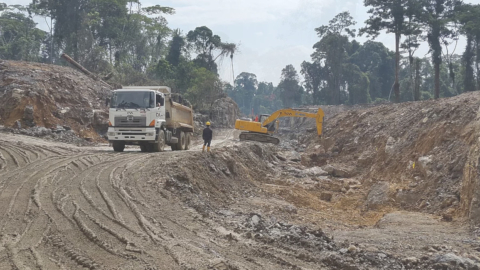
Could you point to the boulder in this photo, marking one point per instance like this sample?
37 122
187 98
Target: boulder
224 112
456 261
344 172
315 171
329 169
340 171
425 165
390 146
326 196
378 195
28 118
365 159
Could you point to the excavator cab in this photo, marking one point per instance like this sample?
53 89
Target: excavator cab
263 117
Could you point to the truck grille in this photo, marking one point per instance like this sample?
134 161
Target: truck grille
129 121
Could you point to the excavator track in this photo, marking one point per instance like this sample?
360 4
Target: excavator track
258 137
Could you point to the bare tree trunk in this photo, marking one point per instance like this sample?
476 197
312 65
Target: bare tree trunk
477 62
51 40
411 60
418 79
437 79
396 85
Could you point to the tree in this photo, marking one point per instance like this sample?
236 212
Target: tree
205 89
388 15
19 37
413 33
332 51
289 86
378 63
246 87
358 85
313 73
437 14
175 49
469 17
205 44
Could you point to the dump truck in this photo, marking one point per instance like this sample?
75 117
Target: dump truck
264 129
149 117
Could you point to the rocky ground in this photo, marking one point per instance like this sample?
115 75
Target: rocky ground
38 95
392 186
243 206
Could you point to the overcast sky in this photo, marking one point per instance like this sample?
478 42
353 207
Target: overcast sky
271 34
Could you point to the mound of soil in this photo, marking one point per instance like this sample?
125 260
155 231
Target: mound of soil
33 94
417 156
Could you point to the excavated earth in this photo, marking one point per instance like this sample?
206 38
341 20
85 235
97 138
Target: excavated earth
386 187
35 97
304 204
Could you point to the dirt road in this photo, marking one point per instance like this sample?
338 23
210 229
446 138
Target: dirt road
65 207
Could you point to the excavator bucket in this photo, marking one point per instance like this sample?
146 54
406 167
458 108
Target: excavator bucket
319 119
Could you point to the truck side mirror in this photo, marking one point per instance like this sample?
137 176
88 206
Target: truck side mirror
107 101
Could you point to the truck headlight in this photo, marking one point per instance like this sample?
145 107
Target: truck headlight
150 134
111 133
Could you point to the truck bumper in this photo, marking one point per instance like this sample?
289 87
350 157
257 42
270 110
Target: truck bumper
131 134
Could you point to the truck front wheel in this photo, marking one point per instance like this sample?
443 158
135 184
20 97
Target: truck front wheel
159 146
118 146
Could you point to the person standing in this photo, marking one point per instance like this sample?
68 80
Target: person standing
207 137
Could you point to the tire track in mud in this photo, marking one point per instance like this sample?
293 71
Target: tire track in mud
63 208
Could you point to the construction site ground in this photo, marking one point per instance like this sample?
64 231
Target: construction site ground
242 206
393 186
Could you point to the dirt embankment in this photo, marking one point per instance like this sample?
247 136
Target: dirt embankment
243 206
33 94
418 156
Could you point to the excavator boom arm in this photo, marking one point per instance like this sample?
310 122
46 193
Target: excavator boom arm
293 113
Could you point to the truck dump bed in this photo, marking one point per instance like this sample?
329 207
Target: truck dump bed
178 116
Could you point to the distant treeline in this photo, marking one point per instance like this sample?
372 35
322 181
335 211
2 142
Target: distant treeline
135 44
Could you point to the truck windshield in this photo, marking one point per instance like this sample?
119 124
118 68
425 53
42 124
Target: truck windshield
133 100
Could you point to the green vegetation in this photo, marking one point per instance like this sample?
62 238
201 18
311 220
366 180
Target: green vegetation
135 44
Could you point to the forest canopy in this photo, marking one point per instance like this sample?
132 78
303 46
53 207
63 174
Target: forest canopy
132 44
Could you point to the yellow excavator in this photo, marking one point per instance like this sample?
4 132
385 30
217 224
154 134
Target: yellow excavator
263 130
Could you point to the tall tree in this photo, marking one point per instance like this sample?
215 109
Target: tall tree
313 73
289 86
413 33
469 18
332 51
418 79
358 85
176 47
468 55
388 15
436 17
19 37
205 44
246 86
378 62
205 89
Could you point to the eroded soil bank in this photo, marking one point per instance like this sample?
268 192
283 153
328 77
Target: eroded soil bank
244 206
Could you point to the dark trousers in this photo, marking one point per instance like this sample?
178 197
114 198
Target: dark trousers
207 143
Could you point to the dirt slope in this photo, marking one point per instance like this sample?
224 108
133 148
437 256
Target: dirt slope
418 156
65 207
48 95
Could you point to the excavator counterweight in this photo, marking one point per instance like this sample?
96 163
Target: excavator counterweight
263 130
